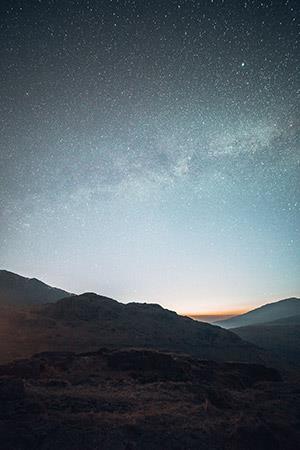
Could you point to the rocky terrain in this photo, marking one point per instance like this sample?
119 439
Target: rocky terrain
132 398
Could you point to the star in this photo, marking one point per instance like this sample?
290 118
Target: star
137 153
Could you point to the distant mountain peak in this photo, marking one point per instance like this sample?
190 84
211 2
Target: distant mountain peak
265 313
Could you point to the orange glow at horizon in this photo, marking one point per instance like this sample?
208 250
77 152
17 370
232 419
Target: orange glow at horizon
215 315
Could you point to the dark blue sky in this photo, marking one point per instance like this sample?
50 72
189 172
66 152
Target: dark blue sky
149 150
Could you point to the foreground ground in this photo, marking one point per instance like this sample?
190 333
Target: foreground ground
143 399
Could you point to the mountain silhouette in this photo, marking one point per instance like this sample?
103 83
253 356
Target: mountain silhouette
266 313
88 322
86 371
18 290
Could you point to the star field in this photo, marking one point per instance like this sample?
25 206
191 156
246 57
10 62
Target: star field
149 150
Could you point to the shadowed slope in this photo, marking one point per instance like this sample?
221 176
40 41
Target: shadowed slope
88 321
281 337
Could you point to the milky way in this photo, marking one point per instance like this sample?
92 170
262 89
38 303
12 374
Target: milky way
150 150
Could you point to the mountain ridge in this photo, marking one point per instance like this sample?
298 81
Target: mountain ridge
266 313
18 290
88 322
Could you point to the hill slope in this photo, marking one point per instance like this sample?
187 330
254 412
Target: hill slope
18 290
88 322
281 337
266 313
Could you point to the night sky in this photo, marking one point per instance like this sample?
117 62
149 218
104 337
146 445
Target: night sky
150 151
